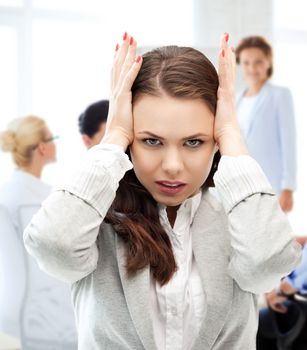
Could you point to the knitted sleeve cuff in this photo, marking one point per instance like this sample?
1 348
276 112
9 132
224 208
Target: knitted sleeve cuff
238 178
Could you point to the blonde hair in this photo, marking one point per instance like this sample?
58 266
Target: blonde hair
21 137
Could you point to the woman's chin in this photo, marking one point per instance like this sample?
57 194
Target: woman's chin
169 201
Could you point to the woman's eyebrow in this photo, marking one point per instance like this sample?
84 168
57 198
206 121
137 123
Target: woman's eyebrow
161 138
151 134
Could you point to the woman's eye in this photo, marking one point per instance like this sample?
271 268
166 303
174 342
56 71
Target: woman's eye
152 142
194 143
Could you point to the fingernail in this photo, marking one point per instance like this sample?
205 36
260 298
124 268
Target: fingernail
125 36
138 59
226 37
117 47
131 41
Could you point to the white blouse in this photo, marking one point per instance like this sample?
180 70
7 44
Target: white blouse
244 112
178 307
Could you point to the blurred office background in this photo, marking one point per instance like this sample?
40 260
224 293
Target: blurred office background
56 59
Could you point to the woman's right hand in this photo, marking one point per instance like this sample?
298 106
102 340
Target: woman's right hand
119 128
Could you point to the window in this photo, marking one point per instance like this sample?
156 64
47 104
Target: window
59 54
11 3
8 87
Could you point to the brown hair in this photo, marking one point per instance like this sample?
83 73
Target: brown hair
180 72
21 136
256 42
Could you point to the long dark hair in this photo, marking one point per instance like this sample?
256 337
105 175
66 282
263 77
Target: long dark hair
180 72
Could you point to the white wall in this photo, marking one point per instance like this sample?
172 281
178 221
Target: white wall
237 17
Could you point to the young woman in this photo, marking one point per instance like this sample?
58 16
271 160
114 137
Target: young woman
266 116
33 306
155 260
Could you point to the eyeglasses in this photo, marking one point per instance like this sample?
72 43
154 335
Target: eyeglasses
49 139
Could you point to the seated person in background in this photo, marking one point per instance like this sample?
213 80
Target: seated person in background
92 122
283 325
39 309
31 144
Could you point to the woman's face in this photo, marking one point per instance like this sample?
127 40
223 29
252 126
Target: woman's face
255 65
49 147
173 146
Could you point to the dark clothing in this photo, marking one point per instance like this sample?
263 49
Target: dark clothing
287 331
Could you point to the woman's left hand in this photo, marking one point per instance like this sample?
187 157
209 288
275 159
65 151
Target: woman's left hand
226 127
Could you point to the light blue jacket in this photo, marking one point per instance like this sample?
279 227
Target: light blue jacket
271 136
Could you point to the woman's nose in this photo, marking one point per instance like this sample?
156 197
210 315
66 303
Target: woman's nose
172 162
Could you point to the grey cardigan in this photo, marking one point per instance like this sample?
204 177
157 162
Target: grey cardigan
242 248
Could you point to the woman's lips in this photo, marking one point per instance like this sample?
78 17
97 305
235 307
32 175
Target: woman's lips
170 187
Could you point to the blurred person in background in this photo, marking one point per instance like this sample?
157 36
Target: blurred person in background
32 147
266 117
92 123
41 315
283 325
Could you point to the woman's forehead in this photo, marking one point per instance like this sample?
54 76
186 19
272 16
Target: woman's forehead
169 112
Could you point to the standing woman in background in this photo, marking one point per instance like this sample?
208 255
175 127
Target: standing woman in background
38 308
266 117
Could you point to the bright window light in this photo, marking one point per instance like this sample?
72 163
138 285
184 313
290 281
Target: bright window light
12 3
68 52
290 14
8 89
8 74
70 69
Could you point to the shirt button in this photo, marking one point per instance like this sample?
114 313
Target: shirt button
174 311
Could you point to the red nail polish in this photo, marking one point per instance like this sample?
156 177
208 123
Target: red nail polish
138 59
131 41
125 36
226 37
117 47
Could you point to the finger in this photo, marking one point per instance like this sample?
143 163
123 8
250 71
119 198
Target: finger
119 58
223 53
224 41
131 75
112 71
282 308
129 61
226 63
278 307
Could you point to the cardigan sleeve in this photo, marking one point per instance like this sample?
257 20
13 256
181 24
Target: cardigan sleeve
287 138
263 247
62 235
